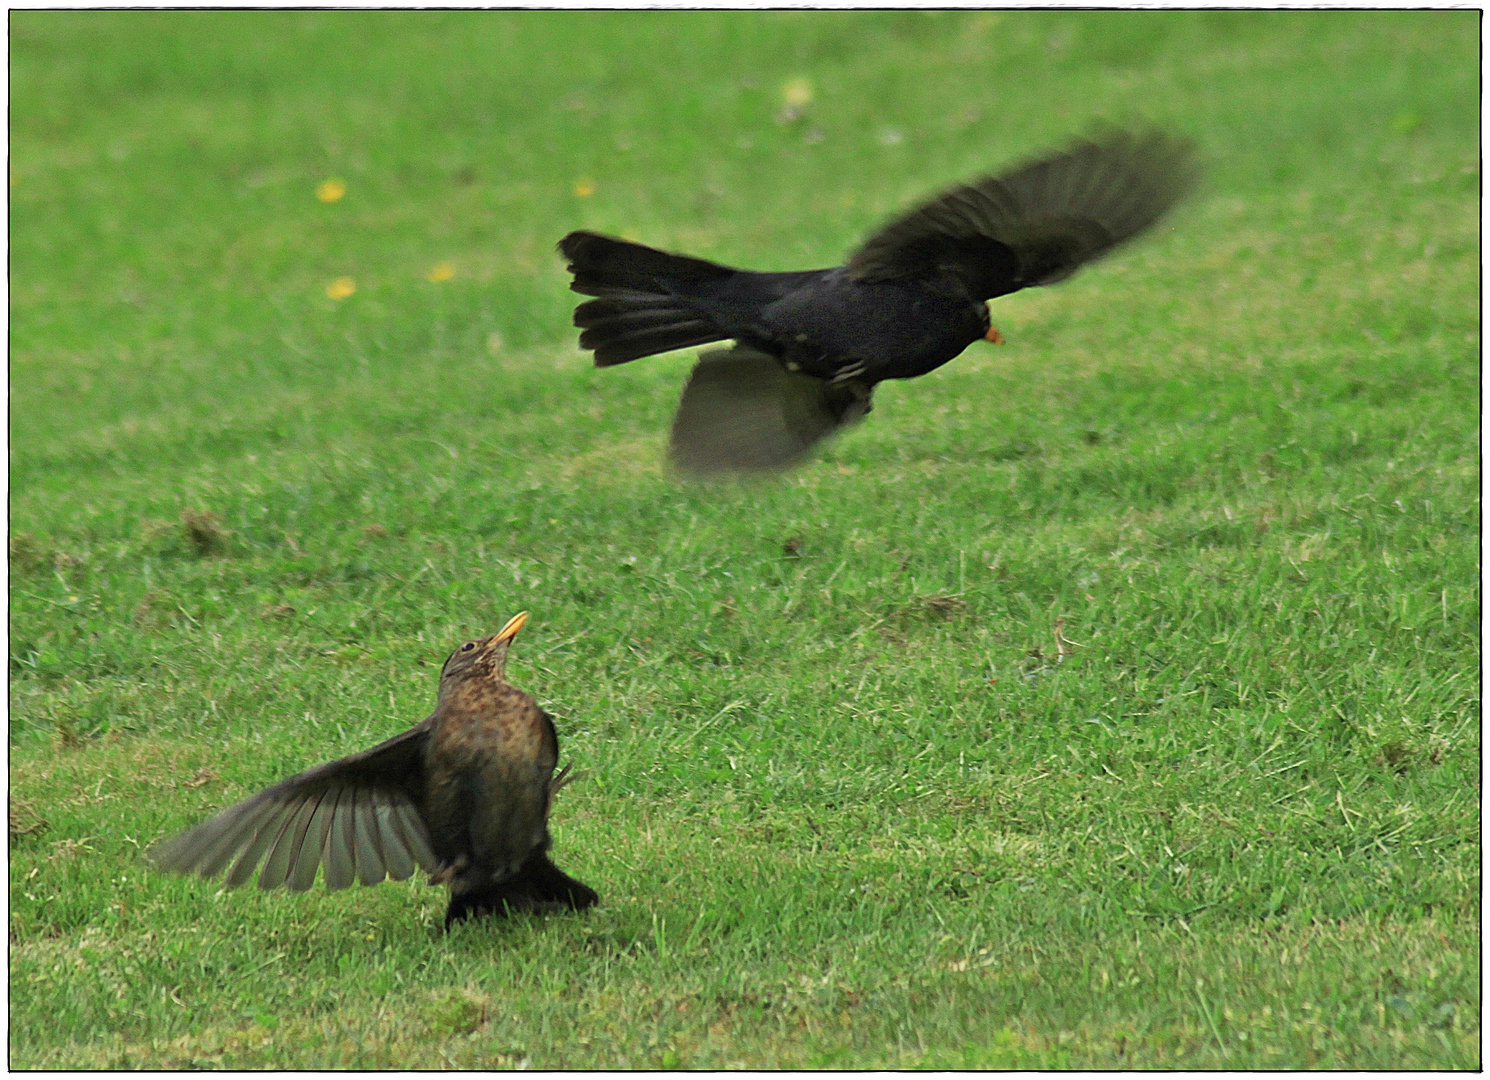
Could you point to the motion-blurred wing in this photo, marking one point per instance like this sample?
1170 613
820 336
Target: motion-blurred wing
1039 222
742 412
359 816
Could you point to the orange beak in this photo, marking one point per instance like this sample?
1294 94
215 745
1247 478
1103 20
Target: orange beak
994 336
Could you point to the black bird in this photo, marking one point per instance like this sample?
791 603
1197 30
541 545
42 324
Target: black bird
465 795
812 344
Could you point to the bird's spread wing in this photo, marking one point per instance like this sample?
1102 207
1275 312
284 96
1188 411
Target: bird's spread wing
1039 222
359 816
743 412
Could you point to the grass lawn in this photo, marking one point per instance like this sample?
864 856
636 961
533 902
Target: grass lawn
274 453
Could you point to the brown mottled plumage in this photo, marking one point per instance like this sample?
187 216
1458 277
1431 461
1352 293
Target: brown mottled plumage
465 794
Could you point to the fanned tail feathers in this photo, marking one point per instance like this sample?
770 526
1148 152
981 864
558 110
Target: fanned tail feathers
640 307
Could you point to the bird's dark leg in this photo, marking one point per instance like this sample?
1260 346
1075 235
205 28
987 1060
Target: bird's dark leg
847 400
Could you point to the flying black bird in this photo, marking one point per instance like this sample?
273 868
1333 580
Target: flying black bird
810 345
465 795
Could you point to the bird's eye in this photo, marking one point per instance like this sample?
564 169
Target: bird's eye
468 646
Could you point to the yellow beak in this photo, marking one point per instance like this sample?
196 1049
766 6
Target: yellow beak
508 632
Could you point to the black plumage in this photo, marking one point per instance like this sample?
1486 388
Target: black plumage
465 795
911 298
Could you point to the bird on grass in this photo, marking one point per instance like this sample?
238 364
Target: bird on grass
465 795
812 344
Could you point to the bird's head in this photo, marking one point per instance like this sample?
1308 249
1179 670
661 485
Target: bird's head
484 658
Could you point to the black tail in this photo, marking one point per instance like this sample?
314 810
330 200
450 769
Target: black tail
641 306
539 887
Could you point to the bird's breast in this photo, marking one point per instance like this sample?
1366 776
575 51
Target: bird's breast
486 723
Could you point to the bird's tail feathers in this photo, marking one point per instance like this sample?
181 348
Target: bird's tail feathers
641 306
626 326
605 265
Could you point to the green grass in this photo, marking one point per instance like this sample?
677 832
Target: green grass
845 806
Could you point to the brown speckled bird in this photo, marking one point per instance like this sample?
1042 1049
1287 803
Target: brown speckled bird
465 795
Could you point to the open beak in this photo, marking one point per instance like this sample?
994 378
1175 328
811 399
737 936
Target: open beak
994 336
508 632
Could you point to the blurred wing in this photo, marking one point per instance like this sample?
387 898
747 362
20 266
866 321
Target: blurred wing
359 816
742 412
1036 224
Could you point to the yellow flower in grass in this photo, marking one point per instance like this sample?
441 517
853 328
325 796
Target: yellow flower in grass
341 288
331 190
584 188
796 92
440 272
